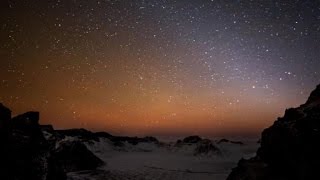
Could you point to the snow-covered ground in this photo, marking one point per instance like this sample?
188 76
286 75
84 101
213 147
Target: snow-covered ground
165 161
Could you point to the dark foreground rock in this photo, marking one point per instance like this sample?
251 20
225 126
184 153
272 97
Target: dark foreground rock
74 156
24 151
26 154
289 148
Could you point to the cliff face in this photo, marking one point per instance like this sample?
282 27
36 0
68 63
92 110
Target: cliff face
290 148
25 153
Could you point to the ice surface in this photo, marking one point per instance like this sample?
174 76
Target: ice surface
150 161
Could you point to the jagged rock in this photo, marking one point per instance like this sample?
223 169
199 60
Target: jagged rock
74 156
28 149
24 152
314 96
133 140
26 120
5 116
192 139
206 147
289 148
103 135
81 134
85 135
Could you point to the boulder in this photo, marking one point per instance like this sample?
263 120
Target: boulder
74 156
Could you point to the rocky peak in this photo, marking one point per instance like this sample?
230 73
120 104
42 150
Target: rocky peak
26 154
314 96
5 113
27 119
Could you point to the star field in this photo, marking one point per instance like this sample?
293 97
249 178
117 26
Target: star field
208 67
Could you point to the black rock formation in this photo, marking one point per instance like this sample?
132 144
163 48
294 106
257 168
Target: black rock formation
192 139
5 116
207 147
24 151
81 134
26 154
289 148
74 156
85 135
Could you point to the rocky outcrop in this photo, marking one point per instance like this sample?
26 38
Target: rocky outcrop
27 154
133 140
26 120
24 150
289 148
74 156
5 116
81 134
192 139
85 135
206 147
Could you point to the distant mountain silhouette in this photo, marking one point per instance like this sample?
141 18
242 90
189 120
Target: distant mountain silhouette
290 148
86 135
229 141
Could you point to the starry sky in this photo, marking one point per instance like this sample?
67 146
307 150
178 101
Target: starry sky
159 67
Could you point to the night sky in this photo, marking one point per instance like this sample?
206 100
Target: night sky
158 67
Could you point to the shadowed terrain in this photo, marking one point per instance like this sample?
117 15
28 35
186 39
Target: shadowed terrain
289 148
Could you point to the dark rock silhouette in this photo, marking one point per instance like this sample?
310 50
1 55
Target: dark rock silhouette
74 156
229 141
206 147
26 154
86 135
5 116
28 119
192 139
314 96
133 140
289 148
81 134
24 150
103 135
